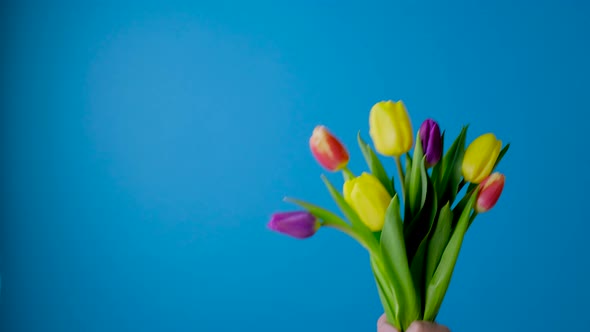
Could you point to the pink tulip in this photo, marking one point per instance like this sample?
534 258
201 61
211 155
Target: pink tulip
490 190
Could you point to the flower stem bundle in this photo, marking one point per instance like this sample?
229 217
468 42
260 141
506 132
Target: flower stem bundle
414 240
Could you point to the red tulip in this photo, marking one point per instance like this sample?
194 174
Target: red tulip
489 192
328 150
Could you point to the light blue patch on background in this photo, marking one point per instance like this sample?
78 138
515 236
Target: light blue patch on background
145 145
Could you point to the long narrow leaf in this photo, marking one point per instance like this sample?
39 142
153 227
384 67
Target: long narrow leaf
415 192
375 165
330 219
319 212
439 283
418 260
394 255
438 241
417 225
389 300
501 155
451 169
425 183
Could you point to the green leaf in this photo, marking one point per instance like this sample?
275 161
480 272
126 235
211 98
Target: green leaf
406 184
329 219
417 271
416 223
389 300
451 169
419 239
425 182
438 241
501 155
415 190
441 278
377 235
394 255
408 161
319 212
436 170
375 165
458 209
357 225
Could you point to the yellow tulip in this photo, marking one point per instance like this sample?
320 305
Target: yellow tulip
369 199
480 157
391 128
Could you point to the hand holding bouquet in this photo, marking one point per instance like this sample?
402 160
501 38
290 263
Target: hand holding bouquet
413 234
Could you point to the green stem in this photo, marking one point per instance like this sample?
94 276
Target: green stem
347 174
400 171
346 229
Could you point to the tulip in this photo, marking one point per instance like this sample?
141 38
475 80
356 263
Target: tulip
489 192
390 128
328 150
298 224
480 158
369 199
431 141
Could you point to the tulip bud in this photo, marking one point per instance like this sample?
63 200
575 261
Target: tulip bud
431 141
327 149
298 224
367 196
390 128
489 192
480 157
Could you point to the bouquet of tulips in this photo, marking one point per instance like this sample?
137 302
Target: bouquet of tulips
412 234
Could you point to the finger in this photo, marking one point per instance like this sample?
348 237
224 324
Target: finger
427 327
383 326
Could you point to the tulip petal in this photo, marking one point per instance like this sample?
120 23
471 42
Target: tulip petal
486 152
489 192
451 165
431 141
480 157
390 128
436 170
298 224
327 149
368 198
368 207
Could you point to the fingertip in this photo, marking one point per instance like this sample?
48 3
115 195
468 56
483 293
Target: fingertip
421 326
383 325
417 327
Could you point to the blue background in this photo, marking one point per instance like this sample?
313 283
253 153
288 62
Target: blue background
145 145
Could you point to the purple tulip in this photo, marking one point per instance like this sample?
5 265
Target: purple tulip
431 141
298 224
